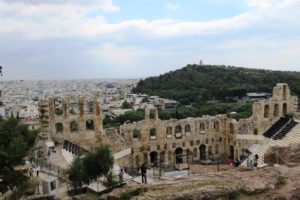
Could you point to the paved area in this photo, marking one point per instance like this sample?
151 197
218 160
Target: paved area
57 158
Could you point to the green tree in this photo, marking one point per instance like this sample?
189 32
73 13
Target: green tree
126 105
98 163
15 142
90 167
76 174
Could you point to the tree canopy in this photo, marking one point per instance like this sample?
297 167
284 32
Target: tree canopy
90 166
200 83
15 142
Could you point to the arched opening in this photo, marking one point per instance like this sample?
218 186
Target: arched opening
178 132
73 126
231 128
276 110
153 157
266 111
59 127
187 128
89 106
284 109
202 149
178 155
58 106
169 132
178 129
216 126
136 133
216 149
73 108
162 156
89 124
153 133
152 114
284 93
202 126
137 160
231 152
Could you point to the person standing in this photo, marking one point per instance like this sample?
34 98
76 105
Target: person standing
144 173
121 174
255 160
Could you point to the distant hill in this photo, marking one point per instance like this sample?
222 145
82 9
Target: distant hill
199 83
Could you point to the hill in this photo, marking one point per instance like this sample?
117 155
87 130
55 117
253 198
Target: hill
200 83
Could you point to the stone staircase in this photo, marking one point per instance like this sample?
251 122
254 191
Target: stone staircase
292 136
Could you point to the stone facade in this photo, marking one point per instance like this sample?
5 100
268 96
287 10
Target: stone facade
166 141
171 141
77 119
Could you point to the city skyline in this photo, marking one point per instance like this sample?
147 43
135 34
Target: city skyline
63 39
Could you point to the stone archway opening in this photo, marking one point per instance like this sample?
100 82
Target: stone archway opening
202 149
266 111
89 124
284 109
178 155
153 157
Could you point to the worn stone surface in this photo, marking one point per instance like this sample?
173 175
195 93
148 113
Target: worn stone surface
164 141
283 155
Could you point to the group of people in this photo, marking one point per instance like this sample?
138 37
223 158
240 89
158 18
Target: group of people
33 171
252 162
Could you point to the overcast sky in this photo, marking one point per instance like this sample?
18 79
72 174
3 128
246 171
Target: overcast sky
71 39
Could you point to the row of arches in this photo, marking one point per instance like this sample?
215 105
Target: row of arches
74 107
89 124
178 130
275 110
179 155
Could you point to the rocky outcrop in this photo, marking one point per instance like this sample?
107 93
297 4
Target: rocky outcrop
283 155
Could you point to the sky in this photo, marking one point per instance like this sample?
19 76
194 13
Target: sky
81 39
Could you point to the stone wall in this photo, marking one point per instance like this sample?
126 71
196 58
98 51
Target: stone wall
165 141
77 119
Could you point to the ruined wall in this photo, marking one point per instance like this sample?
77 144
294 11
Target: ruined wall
198 136
153 140
77 119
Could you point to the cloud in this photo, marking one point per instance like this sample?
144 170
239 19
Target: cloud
172 7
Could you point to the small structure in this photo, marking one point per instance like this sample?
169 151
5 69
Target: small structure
50 185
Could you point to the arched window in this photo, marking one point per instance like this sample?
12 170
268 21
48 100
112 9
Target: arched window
136 133
284 109
169 132
73 108
187 128
202 126
231 128
153 133
89 124
216 126
59 127
58 106
266 111
89 106
178 129
73 126
178 133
